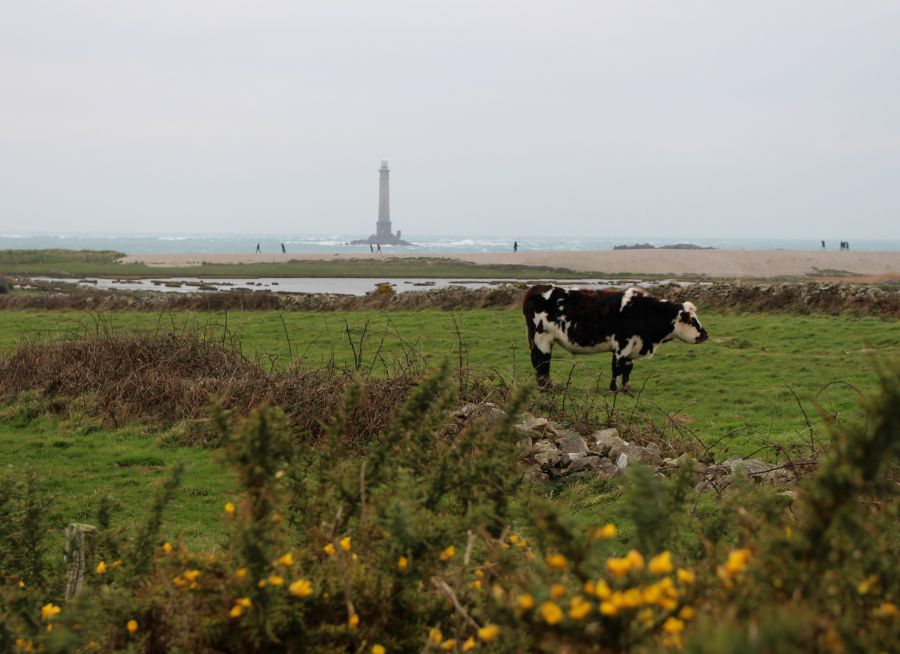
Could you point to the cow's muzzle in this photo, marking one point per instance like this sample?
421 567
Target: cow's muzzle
704 336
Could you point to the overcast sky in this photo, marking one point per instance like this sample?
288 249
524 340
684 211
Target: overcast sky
647 118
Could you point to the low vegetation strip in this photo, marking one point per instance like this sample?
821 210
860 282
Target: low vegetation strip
74 263
788 297
172 377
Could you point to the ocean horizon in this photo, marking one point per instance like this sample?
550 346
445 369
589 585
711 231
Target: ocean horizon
163 243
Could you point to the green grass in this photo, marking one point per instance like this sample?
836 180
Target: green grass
87 263
78 466
732 391
735 389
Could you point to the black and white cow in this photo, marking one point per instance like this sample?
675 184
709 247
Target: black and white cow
631 324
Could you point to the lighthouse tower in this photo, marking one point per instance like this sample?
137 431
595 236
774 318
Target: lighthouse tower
383 226
383 234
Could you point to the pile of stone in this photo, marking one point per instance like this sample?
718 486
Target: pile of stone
553 452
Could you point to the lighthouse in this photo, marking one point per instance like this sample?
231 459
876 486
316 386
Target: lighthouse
383 234
383 226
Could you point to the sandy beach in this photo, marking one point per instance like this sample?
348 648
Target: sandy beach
710 263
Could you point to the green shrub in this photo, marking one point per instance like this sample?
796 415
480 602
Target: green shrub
428 542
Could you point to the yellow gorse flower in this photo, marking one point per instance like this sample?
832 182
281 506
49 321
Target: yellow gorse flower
285 561
329 549
378 649
353 622
236 611
557 591
525 602
687 613
673 626
435 636
448 644
469 645
345 543
300 588
229 508
556 561
241 573
661 564
685 577
402 564
579 608
101 568
167 548
488 632
606 532
275 580
132 626
192 575
887 610
447 554
618 567
608 608
636 558
551 613
49 611
602 590
866 584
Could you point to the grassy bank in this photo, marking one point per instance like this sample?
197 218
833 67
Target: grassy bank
71 263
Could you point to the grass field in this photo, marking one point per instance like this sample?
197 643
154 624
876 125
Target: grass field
736 391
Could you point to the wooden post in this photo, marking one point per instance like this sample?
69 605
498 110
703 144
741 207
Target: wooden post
79 556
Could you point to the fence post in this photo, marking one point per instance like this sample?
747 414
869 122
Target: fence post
81 540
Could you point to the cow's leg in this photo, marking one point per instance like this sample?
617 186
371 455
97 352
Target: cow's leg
626 366
615 372
540 358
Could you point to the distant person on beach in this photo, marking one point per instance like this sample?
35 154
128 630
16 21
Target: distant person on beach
283 249
371 248
257 249
515 246
823 245
378 246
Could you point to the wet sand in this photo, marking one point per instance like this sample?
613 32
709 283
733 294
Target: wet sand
709 263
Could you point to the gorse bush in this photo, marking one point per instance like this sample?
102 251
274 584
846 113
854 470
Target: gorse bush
423 541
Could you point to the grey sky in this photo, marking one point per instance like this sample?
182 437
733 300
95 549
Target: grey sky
656 118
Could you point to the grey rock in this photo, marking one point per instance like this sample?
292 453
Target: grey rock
535 473
572 443
607 443
545 453
607 469
791 495
622 461
487 413
584 463
781 477
751 466
649 455
523 445
529 423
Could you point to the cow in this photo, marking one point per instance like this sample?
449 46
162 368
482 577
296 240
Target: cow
630 324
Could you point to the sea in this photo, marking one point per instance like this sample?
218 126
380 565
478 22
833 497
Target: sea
149 243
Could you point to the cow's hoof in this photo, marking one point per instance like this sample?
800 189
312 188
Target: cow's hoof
545 385
625 389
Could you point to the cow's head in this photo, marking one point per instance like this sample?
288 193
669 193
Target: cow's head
688 327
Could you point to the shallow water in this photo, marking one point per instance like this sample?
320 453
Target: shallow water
340 285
